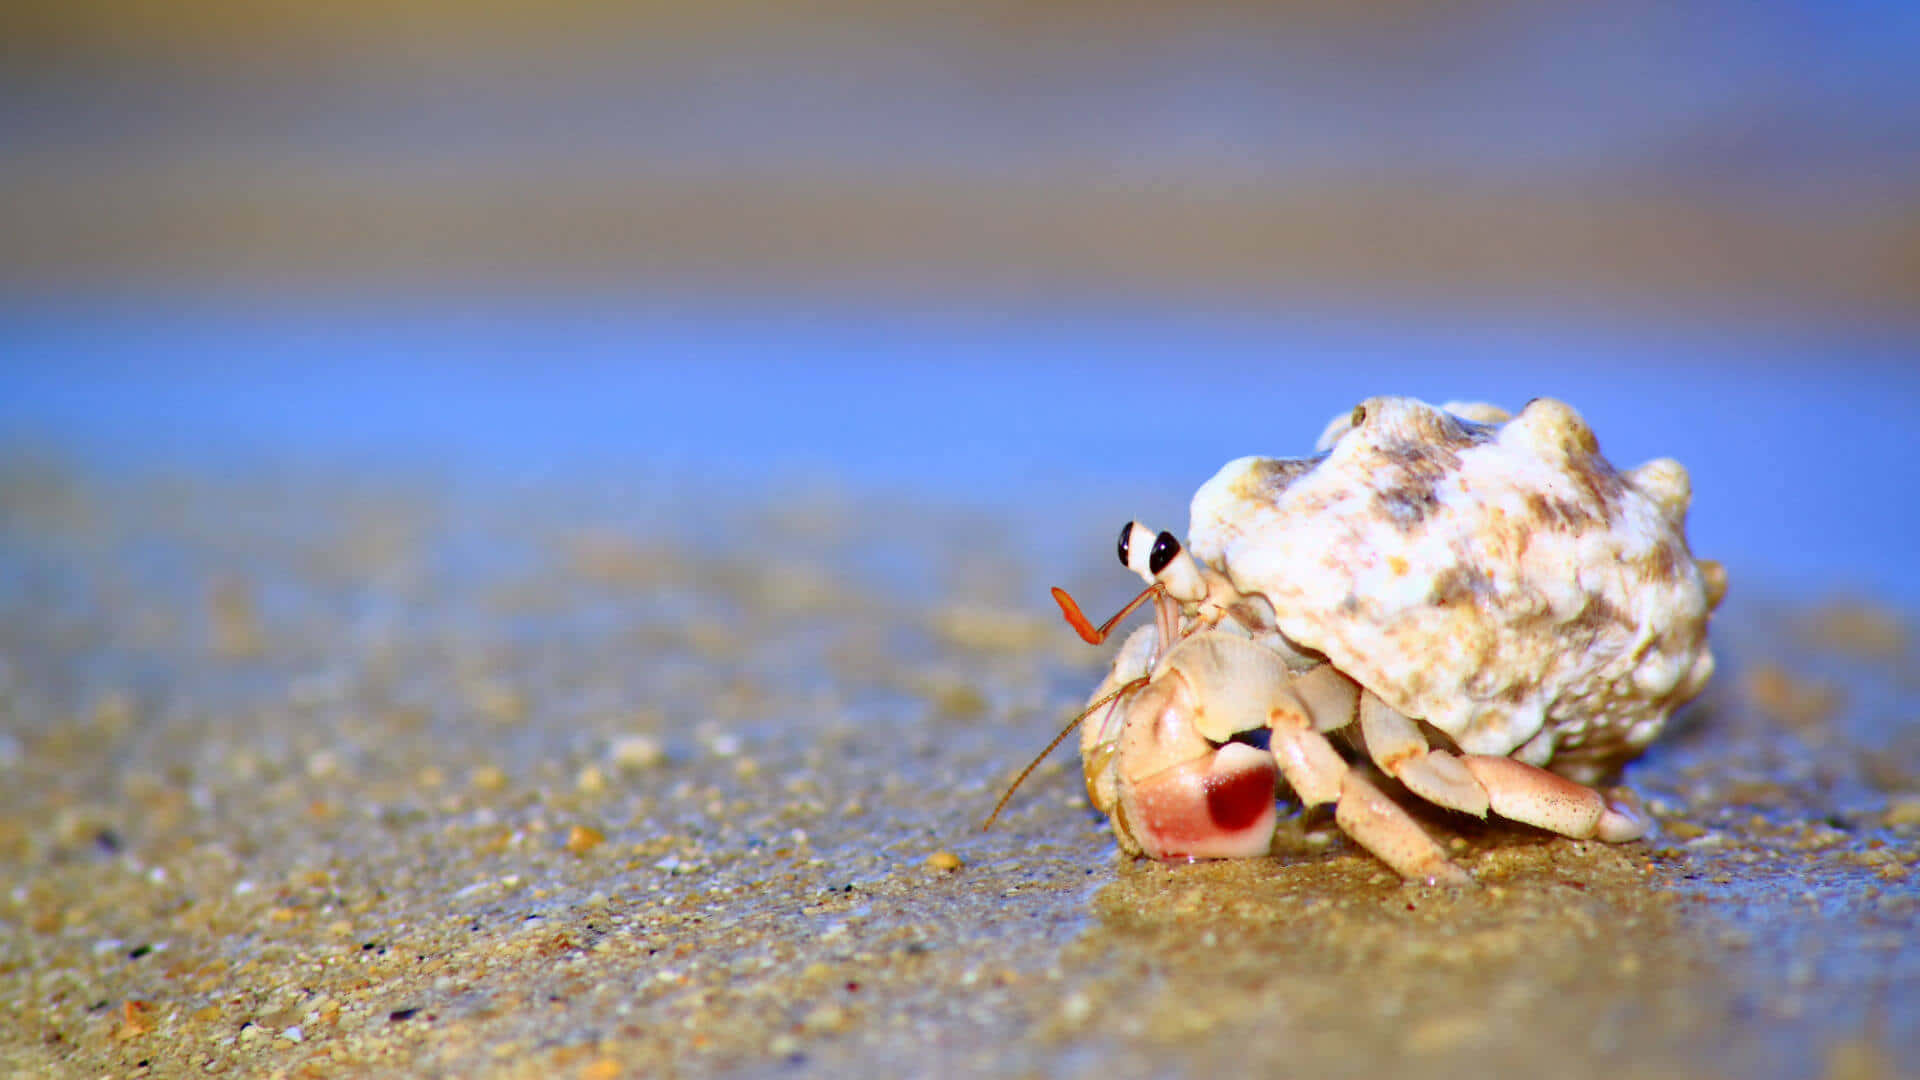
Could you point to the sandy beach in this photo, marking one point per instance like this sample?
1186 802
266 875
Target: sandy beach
320 778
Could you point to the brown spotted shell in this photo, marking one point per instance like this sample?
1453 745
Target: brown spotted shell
1493 576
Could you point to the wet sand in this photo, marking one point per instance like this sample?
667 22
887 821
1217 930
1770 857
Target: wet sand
308 777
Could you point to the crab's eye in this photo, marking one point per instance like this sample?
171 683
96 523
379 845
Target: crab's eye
1165 547
1126 534
1359 416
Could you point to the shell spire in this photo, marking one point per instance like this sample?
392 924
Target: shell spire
1665 481
1553 428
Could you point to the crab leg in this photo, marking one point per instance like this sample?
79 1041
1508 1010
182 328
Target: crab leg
1329 696
1378 824
1477 783
1532 795
1318 775
1396 745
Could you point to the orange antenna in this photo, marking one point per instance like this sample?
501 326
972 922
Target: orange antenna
1127 688
1088 632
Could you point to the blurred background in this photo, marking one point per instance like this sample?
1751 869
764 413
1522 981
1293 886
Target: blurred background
1014 256
513 484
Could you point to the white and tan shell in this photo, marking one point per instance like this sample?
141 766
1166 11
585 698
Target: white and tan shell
1492 576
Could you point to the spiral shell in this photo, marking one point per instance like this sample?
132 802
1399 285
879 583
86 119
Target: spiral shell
1490 574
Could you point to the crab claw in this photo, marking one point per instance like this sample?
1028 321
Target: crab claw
1219 806
1181 796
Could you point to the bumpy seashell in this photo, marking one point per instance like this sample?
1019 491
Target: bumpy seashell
1491 575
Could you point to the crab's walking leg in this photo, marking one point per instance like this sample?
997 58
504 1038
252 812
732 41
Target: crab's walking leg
1476 783
1318 775
1532 795
1396 745
1382 827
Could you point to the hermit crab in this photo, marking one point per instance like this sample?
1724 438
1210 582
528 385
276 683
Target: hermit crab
1490 612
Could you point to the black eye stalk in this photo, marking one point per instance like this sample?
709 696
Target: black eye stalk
1165 547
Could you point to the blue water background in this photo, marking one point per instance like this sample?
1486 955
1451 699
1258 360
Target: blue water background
1802 445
